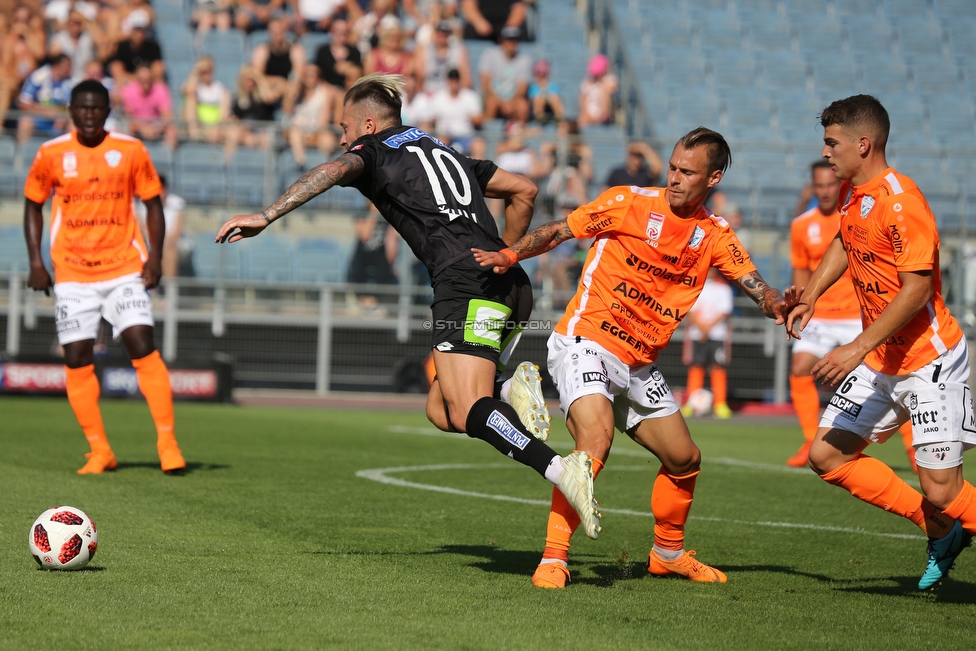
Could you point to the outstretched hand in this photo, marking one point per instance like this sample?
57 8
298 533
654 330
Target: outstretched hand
798 314
241 226
499 262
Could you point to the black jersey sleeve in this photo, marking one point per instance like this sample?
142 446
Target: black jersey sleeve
365 148
483 171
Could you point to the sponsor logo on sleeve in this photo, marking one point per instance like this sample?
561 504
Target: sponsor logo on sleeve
410 135
507 431
847 408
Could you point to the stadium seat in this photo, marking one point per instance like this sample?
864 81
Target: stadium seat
246 176
199 173
8 167
266 258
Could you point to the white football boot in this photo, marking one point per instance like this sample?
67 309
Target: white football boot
576 484
525 395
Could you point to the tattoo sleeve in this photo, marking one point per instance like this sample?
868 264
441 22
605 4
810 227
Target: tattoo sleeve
542 239
757 289
313 183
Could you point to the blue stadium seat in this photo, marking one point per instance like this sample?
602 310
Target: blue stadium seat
8 167
246 176
199 173
266 259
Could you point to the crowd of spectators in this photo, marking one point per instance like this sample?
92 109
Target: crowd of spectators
282 88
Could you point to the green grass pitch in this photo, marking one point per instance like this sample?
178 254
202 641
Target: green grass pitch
292 532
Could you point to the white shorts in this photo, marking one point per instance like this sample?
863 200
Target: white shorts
823 335
936 398
80 307
581 367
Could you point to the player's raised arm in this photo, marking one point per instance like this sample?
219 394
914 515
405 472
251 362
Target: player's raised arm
545 238
830 269
314 182
769 299
519 194
39 278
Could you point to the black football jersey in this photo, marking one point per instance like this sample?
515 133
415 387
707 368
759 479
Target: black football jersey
432 195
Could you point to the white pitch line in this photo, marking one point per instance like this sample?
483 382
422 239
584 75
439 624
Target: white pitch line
381 475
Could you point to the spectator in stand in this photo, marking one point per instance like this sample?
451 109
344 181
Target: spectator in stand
596 92
457 112
251 15
365 29
708 343
416 107
390 56
423 18
317 15
514 155
544 101
485 19
377 244
210 14
340 63
148 108
137 47
136 12
279 59
74 41
312 110
642 167
563 265
44 98
443 54
569 164
251 107
22 49
206 102
57 12
505 74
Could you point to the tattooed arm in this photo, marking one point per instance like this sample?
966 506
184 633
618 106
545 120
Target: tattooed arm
344 169
536 242
769 299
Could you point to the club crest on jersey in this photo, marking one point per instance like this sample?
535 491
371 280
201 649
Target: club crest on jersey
867 203
113 157
696 238
655 223
69 162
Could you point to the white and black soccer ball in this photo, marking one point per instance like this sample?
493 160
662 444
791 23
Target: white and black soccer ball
700 402
63 538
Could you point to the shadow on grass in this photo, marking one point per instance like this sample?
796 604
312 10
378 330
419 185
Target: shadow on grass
87 568
191 467
948 592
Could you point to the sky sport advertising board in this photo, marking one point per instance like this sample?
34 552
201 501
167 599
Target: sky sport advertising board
46 378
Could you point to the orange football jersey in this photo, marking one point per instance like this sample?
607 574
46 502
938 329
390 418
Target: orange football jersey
887 227
810 235
644 270
94 233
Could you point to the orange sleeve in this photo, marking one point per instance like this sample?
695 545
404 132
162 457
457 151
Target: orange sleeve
147 183
730 256
799 258
39 181
912 233
605 213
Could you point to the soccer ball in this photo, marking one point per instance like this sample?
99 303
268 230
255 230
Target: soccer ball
63 538
700 402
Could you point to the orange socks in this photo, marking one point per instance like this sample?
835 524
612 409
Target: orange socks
670 504
83 393
870 480
806 402
963 508
696 380
720 385
154 383
563 521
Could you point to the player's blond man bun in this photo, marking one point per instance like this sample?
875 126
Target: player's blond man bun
380 94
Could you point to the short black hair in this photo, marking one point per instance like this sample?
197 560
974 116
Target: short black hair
92 86
719 153
862 113
821 164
